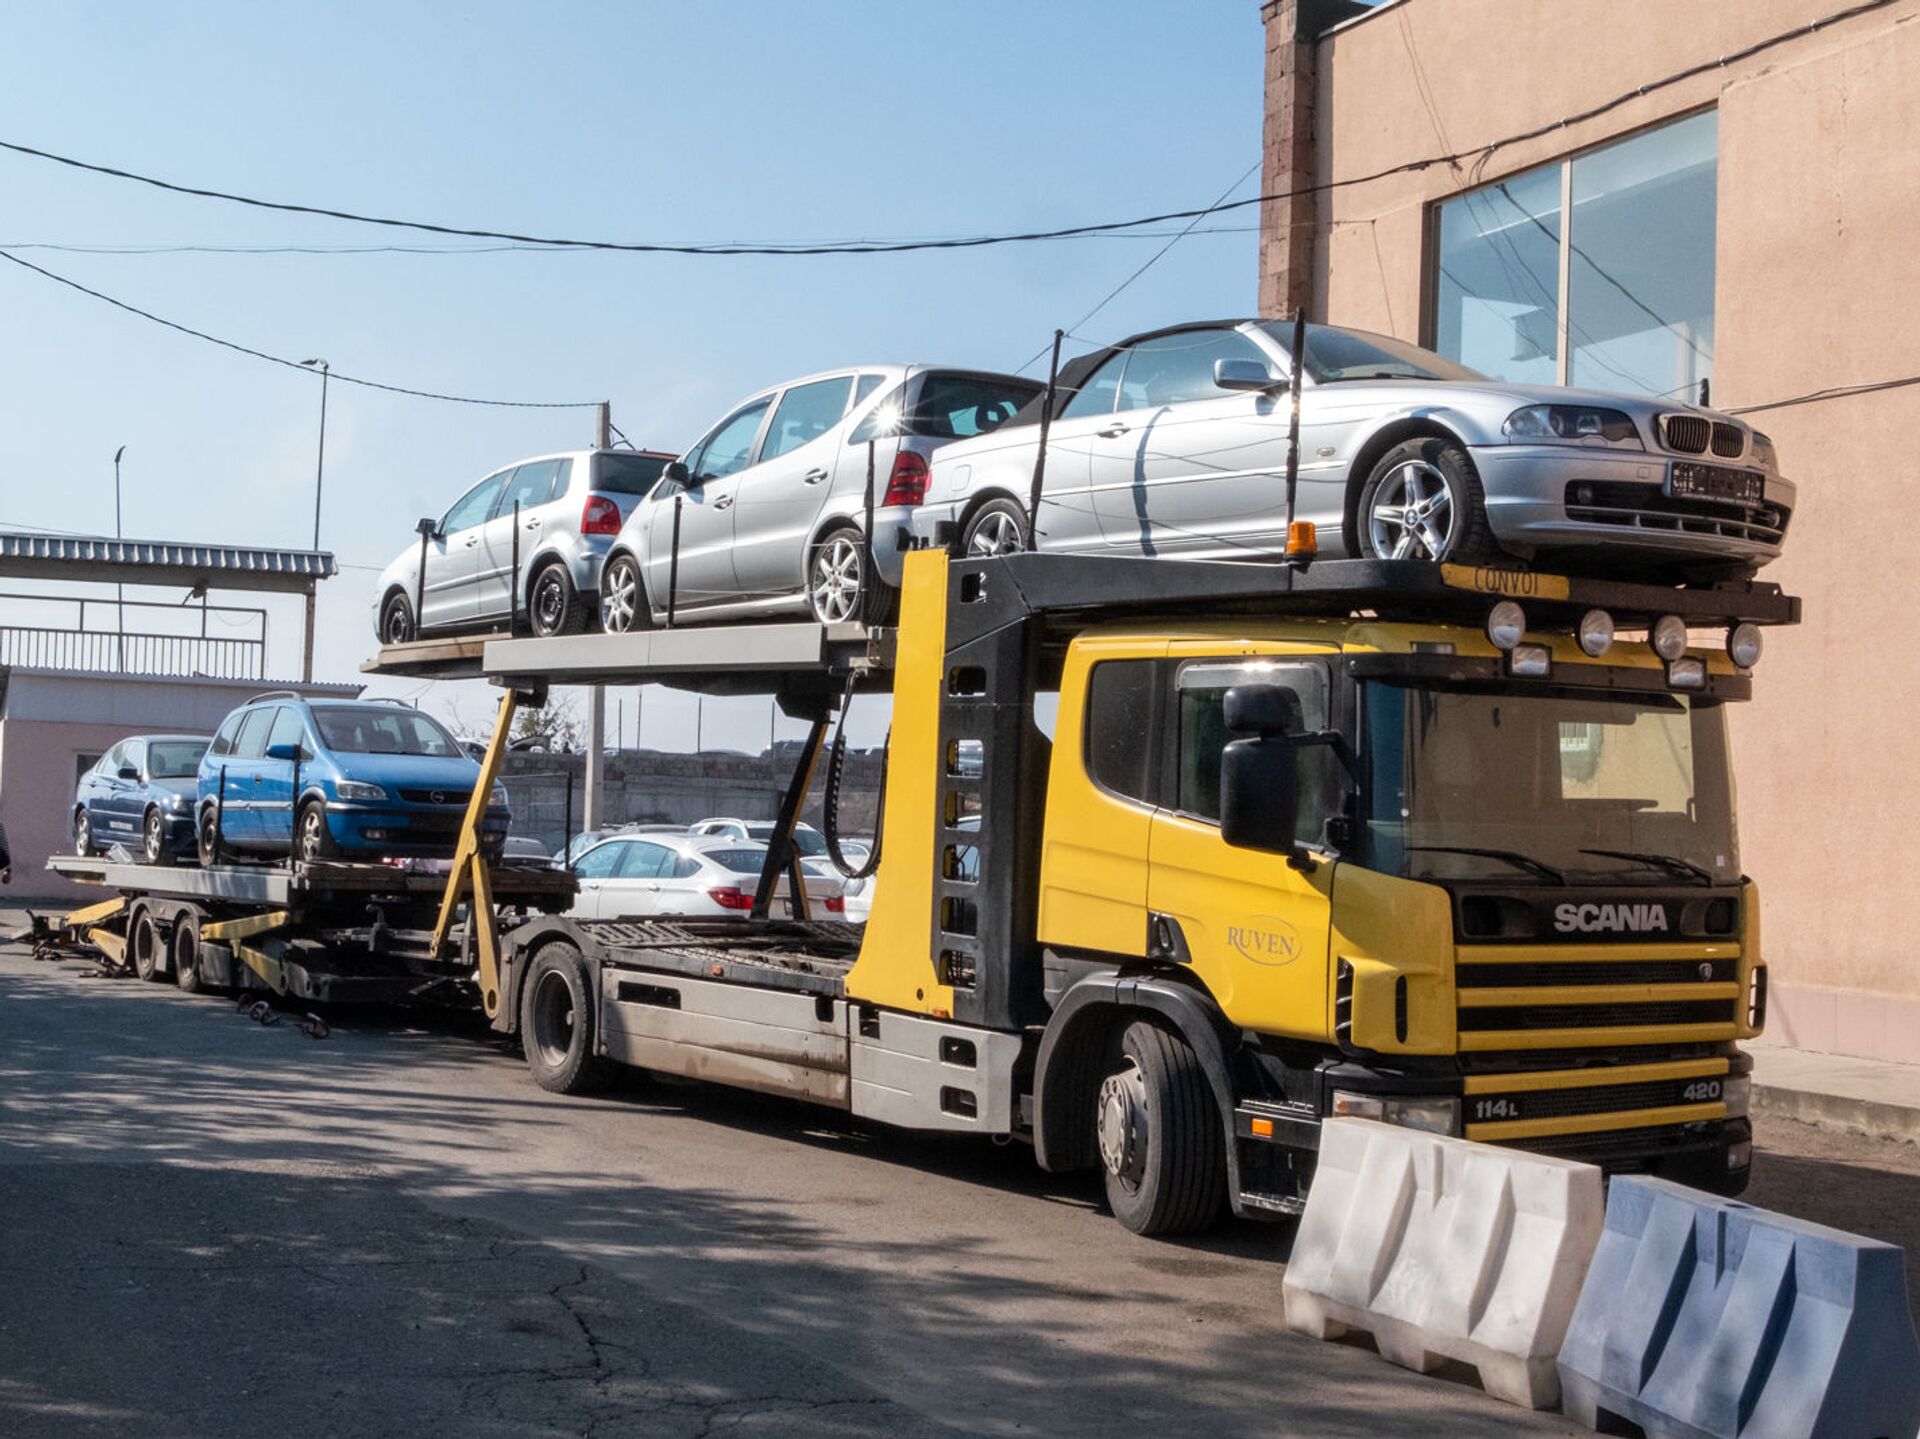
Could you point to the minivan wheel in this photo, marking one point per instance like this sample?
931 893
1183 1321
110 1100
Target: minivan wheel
553 604
153 839
396 620
837 578
999 527
623 599
1423 501
312 839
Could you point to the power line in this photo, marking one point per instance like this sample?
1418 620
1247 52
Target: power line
1479 152
1832 392
295 364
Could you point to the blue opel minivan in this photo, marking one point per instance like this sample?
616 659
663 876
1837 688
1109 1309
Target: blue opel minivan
375 778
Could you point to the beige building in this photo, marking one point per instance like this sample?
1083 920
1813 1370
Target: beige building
1641 195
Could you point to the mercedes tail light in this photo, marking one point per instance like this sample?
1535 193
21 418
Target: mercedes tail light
600 517
907 485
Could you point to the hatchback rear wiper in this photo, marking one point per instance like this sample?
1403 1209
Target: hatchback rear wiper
1510 856
1671 863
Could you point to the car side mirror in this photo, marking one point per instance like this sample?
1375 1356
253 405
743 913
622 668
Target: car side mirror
1260 776
674 472
129 771
1246 375
291 753
428 528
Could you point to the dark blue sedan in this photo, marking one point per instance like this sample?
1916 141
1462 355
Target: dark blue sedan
140 795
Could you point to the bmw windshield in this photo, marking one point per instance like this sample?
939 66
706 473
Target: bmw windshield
1335 354
1547 788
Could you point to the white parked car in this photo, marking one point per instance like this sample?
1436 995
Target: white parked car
808 840
629 876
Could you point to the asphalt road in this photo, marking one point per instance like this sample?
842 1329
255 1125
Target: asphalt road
217 1228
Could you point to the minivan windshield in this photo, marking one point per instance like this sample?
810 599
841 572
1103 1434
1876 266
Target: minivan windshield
381 729
174 758
1621 788
627 474
1334 354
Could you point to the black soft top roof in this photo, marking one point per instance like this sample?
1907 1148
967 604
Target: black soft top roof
1075 372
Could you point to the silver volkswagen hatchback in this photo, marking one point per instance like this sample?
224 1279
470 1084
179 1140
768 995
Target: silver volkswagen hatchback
765 515
1175 443
555 515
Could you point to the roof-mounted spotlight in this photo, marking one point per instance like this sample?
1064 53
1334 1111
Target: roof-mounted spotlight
1506 625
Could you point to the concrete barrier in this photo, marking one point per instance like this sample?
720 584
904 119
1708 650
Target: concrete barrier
1442 1249
1704 1317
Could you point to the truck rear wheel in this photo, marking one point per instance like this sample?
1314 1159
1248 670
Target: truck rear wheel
185 952
558 1022
144 944
1159 1135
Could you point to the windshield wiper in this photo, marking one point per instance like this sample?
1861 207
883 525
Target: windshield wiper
1671 863
1510 856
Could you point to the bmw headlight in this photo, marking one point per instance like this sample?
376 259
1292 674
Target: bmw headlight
359 791
1761 449
1572 425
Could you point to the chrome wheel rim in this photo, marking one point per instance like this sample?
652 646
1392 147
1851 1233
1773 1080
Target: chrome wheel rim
155 842
838 578
1121 1120
310 829
553 1019
619 598
996 533
82 833
1413 515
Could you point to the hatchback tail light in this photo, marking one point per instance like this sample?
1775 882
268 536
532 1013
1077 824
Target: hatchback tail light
834 904
600 517
731 897
907 485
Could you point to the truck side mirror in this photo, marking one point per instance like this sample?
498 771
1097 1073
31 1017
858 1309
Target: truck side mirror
1260 776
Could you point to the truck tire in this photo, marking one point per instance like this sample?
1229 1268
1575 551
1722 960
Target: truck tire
559 1031
145 946
1437 478
1158 1133
184 950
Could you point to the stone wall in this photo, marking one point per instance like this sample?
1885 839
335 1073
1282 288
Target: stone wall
642 787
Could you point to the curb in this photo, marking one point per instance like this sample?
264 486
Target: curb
1873 1118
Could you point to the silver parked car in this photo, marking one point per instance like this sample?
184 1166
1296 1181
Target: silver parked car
769 508
627 876
571 507
1175 443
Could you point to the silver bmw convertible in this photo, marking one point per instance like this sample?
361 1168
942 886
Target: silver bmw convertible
1175 442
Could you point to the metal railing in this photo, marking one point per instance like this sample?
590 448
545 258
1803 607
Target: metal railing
187 648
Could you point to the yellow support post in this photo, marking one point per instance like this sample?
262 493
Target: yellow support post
94 913
264 965
470 880
228 930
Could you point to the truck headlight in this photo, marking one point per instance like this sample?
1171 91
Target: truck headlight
1435 1115
356 791
1572 425
1737 1094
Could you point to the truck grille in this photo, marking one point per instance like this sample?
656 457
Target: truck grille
1596 971
1621 1015
1597 1098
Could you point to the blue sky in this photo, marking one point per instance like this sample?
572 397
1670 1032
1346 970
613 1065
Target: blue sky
642 121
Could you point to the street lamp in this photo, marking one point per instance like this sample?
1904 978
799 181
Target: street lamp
320 462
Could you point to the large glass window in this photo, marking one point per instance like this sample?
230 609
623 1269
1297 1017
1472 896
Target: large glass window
472 508
1203 687
626 474
1171 369
1595 271
730 446
531 485
806 413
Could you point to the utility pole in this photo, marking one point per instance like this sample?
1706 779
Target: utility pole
597 694
320 463
603 428
119 591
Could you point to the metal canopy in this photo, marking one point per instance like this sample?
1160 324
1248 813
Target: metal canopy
98 559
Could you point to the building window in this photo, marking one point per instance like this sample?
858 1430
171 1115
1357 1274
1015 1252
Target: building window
1596 270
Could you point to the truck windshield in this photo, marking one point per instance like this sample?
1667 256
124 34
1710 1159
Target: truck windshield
1547 788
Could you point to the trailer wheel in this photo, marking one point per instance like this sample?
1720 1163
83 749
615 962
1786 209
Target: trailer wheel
558 1031
184 950
144 943
1159 1134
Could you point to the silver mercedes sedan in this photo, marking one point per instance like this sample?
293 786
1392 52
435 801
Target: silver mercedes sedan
1174 443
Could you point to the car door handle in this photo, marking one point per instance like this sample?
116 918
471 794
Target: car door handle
1111 432
472 541
533 524
815 476
725 502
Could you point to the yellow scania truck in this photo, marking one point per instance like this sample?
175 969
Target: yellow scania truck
1179 859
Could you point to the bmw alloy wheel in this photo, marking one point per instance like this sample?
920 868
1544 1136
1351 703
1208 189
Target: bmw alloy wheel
1412 516
839 577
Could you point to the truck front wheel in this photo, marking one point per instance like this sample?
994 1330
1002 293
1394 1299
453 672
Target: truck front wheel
1159 1134
558 1026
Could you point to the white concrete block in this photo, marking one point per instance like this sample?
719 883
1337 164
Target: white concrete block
1444 1249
